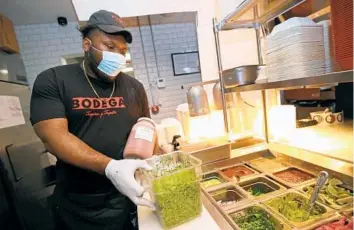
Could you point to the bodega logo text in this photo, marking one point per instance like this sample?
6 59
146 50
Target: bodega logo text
89 103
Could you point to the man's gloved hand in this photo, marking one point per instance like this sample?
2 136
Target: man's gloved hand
121 173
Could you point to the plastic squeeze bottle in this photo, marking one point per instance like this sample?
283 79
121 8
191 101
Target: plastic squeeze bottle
141 140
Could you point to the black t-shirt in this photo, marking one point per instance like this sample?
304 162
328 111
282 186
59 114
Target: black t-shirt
103 123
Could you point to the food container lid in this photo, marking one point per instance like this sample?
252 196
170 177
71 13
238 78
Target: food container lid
177 156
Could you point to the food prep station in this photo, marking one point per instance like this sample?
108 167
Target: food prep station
287 180
267 177
261 174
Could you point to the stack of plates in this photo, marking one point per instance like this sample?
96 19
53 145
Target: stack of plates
342 25
330 63
295 49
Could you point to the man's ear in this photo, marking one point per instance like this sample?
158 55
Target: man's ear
86 43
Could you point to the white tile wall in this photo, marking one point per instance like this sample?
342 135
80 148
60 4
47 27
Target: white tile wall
43 45
169 38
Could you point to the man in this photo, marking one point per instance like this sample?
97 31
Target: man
84 113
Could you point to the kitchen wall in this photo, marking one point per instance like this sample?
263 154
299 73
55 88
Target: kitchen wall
205 14
168 38
43 45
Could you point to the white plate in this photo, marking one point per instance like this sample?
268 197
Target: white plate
293 22
307 47
295 32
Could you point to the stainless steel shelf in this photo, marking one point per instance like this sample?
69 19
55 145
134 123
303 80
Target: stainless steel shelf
265 12
336 77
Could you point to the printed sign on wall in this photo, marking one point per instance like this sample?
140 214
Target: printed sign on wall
11 112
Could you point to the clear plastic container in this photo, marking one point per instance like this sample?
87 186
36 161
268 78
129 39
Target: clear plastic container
141 141
174 187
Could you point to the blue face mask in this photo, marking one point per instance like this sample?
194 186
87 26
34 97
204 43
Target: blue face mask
111 63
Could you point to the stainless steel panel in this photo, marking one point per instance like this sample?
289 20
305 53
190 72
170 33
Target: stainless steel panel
13 63
208 151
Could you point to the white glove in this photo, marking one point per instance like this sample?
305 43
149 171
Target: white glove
121 173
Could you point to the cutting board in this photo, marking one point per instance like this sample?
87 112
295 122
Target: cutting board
148 220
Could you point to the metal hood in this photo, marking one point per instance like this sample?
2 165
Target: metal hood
12 68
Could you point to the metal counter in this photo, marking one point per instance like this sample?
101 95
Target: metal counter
247 156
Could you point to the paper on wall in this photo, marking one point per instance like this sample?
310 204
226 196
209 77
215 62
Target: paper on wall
10 112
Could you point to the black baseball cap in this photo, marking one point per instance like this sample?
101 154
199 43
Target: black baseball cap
110 23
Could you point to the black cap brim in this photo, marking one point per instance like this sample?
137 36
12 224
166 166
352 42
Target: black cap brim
111 29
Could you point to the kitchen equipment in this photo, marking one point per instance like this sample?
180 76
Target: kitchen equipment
161 83
172 127
327 117
141 140
262 76
182 114
161 135
12 68
176 143
172 146
242 75
321 180
217 95
233 113
197 101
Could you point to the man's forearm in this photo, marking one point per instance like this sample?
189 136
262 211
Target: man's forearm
68 147
72 150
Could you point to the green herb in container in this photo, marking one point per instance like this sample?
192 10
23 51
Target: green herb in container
174 186
255 218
